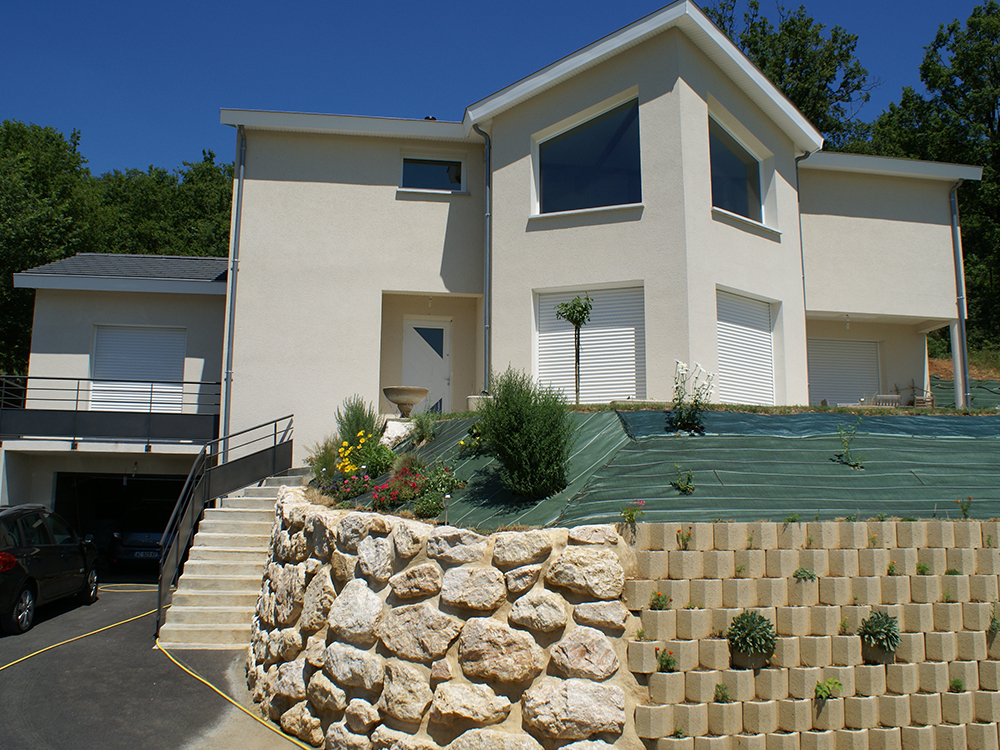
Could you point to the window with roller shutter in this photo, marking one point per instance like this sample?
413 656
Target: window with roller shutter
138 369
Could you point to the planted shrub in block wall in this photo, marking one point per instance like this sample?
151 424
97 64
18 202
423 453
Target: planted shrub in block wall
752 640
879 638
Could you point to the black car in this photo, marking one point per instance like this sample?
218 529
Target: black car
41 559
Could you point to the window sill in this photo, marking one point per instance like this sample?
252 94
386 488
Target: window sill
427 191
729 216
587 211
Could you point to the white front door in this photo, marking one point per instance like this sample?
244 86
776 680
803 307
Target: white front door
427 361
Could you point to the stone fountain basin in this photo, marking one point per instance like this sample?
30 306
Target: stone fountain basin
405 397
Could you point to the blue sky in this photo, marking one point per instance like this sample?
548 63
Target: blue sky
144 81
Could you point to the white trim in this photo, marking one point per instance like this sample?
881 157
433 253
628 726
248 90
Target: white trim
890 166
426 191
117 284
384 127
585 211
721 213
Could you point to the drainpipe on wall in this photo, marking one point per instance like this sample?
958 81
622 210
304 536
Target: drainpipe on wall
488 239
798 199
959 353
234 267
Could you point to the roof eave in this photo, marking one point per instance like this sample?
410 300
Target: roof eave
378 127
888 166
73 282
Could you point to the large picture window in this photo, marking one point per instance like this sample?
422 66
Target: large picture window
735 175
593 164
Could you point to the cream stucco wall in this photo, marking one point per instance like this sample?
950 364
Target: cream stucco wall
324 231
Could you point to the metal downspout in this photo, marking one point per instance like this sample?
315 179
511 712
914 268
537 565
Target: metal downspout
961 366
488 239
798 199
234 268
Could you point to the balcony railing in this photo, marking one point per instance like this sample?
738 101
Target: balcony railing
92 409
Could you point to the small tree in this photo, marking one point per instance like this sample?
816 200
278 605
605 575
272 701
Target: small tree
576 312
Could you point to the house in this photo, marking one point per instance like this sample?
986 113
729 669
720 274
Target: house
656 170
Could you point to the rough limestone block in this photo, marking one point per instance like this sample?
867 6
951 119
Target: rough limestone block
988 560
981 736
693 624
816 560
968 534
750 563
828 714
884 738
911 533
971 645
686 564
905 561
933 676
699 685
792 621
660 624
957 708
786 652
691 718
852 739
825 534
986 705
911 648
792 535
739 592
802 681
925 589
653 722
720 564
825 620
917 738
935 558
713 653
853 535
925 708
748 741
917 618
706 593
803 593
725 718
962 560
722 618
940 534
781 563
861 712
760 717
867 589
843 563
772 592
740 683
950 737
783 741
854 615
835 590
896 589
902 679
815 650
845 650
873 562
989 675
869 679
637 593
795 715
686 653
818 739
642 656
771 684
983 588
894 710
762 535
966 671
667 687
731 536
940 646
884 533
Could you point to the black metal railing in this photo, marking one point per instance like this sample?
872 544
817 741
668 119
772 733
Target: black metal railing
223 465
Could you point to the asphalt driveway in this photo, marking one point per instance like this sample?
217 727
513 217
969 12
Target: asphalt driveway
114 690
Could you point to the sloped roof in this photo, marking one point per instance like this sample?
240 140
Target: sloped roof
141 273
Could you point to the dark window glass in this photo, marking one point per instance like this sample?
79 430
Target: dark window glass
10 536
594 164
35 533
735 175
431 174
62 533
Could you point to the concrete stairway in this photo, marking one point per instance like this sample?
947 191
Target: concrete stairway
217 592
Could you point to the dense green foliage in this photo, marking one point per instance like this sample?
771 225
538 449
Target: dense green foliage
880 630
751 633
526 428
357 419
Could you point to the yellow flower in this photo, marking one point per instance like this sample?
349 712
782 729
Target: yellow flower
344 443
360 433
361 442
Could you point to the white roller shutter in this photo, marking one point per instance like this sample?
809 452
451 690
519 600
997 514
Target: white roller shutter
153 356
842 371
746 367
612 346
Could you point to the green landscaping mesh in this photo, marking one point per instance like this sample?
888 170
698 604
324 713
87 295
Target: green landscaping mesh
985 394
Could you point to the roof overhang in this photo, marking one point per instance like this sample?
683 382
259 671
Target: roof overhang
73 282
689 19
379 127
835 161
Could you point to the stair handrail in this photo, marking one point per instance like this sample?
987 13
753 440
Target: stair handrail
199 489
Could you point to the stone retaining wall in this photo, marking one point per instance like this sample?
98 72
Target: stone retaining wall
374 631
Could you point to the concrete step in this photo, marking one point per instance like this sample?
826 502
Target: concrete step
229 554
250 503
233 583
270 492
257 515
210 615
289 481
188 636
225 567
203 598
244 541
215 525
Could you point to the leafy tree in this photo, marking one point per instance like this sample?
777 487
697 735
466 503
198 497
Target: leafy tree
818 72
576 312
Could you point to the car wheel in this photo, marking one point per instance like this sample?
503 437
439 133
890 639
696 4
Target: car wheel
89 593
22 616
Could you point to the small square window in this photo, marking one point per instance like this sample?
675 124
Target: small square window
735 175
432 174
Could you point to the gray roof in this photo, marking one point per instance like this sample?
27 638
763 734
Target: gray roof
116 266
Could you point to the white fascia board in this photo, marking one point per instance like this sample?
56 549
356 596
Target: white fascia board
116 284
378 127
834 161
688 18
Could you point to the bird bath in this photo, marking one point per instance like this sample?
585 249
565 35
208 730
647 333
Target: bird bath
405 397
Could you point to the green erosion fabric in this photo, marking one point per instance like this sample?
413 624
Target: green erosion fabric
985 394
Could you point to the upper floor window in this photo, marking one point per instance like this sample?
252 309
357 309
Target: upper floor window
432 174
593 164
735 175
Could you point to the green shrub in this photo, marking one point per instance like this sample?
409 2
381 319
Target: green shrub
751 633
528 430
880 630
323 459
422 426
356 418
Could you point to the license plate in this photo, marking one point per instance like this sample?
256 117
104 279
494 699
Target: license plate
149 553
